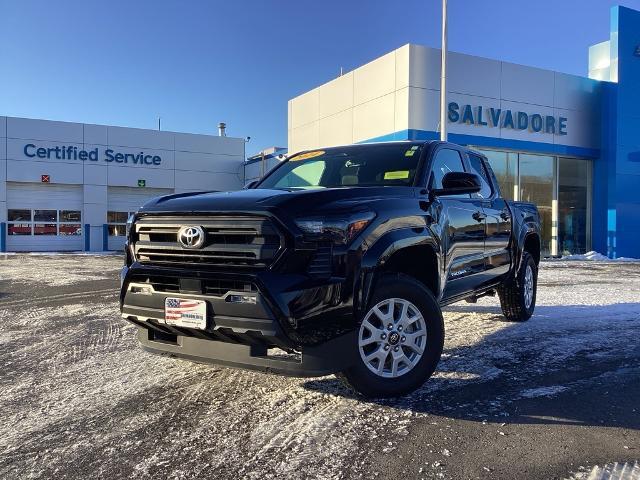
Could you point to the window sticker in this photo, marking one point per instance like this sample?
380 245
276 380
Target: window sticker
396 175
411 151
305 156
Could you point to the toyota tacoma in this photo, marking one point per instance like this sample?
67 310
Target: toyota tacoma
338 261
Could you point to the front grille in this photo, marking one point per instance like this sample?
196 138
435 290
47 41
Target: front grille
242 242
214 288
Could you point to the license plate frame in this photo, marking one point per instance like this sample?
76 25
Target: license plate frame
185 312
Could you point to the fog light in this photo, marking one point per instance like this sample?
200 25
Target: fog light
236 298
142 290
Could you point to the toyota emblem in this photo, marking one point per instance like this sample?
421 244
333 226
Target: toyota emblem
191 237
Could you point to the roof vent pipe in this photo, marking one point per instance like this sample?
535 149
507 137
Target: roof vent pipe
222 127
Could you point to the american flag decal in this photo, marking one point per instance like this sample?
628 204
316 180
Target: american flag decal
184 312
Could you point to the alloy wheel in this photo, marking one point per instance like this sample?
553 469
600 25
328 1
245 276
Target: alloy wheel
392 337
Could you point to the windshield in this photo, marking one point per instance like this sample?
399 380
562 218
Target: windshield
353 166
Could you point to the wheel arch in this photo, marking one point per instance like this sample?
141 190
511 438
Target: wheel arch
405 252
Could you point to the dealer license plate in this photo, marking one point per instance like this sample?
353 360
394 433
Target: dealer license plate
183 312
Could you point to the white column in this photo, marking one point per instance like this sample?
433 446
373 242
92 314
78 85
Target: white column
443 76
554 207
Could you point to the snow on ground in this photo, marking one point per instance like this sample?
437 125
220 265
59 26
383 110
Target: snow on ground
598 257
614 471
80 399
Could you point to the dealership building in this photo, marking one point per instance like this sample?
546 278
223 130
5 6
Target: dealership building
570 144
71 186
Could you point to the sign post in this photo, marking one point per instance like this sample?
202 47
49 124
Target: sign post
443 76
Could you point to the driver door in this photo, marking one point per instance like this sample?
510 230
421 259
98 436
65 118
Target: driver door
461 222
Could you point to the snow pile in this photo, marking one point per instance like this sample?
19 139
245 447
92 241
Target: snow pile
598 257
612 471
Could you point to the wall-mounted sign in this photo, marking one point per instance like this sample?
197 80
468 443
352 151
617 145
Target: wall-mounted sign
504 118
45 178
107 155
142 183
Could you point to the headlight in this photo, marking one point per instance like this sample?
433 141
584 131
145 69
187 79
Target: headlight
339 229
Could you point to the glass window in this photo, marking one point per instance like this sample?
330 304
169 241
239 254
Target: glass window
117 217
45 215
573 203
505 168
14 215
304 175
117 230
70 229
477 165
44 222
45 229
446 161
536 186
355 165
19 229
70 215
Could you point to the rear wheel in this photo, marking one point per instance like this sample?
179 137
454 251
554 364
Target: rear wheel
399 341
518 296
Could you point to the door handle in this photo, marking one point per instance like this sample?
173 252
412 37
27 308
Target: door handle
504 215
479 216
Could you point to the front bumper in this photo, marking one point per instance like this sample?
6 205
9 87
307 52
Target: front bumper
310 320
325 359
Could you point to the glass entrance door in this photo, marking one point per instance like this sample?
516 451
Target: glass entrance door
574 218
561 189
537 186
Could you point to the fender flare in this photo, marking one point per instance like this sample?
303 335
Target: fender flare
375 257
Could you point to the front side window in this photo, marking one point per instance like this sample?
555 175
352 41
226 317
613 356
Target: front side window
353 166
477 167
445 161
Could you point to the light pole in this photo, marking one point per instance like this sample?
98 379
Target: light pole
443 76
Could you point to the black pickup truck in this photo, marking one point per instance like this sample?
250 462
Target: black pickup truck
337 261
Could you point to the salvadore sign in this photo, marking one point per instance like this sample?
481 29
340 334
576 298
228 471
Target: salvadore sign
504 118
97 154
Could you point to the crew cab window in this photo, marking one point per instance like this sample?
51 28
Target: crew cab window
478 167
445 161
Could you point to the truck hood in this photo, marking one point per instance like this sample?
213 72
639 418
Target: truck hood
295 202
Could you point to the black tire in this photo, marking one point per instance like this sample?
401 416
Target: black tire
369 384
515 306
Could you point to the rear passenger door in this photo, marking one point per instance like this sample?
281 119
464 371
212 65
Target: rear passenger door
498 221
461 223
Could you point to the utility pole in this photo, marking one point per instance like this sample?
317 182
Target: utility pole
443 76
159 123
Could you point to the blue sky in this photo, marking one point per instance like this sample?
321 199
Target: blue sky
195 63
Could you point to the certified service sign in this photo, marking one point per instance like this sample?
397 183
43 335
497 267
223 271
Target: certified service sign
107 155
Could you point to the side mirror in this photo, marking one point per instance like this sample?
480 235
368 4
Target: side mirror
250 185
458 183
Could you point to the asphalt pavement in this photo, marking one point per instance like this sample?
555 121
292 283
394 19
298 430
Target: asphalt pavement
555 397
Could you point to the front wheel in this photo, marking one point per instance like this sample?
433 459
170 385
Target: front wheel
518 296
400 339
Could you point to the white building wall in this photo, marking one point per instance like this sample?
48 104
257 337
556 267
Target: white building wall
401 91
188 163
368 102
